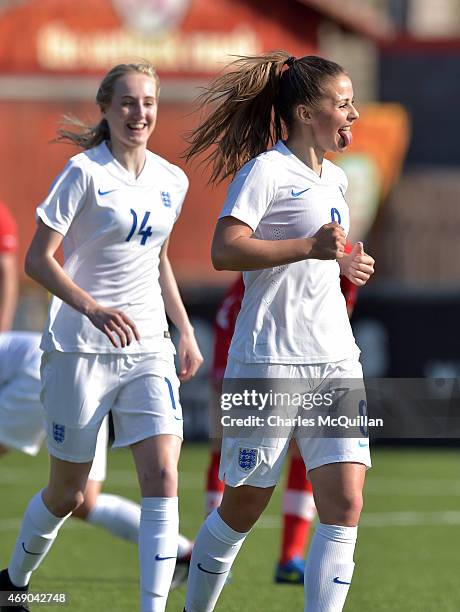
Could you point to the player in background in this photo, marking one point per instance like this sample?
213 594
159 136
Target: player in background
106 343
284 224
8 271
298 506
22 428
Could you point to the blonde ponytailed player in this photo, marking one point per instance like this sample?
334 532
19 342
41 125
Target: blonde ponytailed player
106 343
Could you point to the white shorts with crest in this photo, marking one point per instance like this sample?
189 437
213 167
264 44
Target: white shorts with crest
79 389
255 457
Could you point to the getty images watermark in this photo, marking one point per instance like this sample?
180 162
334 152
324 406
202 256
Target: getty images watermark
340 411
381 408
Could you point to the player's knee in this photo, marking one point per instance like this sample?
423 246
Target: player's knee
161 481
253 504
237 521
349 508
64 503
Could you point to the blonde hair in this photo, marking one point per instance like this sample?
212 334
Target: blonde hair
254 102
89 136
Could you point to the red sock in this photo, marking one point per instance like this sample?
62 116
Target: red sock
214 486
298 511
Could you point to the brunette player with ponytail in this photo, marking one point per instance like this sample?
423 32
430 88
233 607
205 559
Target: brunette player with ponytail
284 224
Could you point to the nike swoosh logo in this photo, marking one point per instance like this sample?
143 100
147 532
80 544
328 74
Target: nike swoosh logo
200 567
28 551
338 581
159 558
296 194
103 193
363 444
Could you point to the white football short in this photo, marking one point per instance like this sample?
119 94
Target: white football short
79 389
22 419
255 456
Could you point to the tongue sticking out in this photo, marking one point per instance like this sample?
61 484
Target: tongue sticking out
345 138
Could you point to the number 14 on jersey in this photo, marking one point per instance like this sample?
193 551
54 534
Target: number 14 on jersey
144 231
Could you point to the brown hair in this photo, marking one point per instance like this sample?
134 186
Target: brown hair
254 101
89 136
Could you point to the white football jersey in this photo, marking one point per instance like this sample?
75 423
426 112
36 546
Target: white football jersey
19 353
294 313
114 227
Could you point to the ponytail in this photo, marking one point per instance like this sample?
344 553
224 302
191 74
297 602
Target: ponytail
243 124
87 136
255 102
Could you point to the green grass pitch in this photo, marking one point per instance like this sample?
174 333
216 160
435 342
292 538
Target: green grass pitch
407 556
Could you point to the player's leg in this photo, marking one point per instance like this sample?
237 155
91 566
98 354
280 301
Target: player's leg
250 467
298 513
156 460
219 541
338 495
336 468
44 516
121 517
147 417
116 514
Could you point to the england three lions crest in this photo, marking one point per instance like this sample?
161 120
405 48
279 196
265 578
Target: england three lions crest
59 432
247 458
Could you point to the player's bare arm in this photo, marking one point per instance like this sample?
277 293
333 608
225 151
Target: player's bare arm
42 265
234 247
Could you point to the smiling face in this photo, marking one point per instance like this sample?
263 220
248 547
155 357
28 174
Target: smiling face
132 112
332 118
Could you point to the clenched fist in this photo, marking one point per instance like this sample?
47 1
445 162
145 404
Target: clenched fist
328 242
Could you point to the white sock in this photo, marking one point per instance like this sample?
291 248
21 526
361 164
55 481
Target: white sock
329 568
38 531
214 551
158 535
121 517
118 515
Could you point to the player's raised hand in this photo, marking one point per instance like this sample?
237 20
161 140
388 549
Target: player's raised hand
118 328
357 265
190 357
328 242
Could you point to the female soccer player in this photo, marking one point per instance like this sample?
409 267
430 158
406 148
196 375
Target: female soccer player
284 224
106 341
